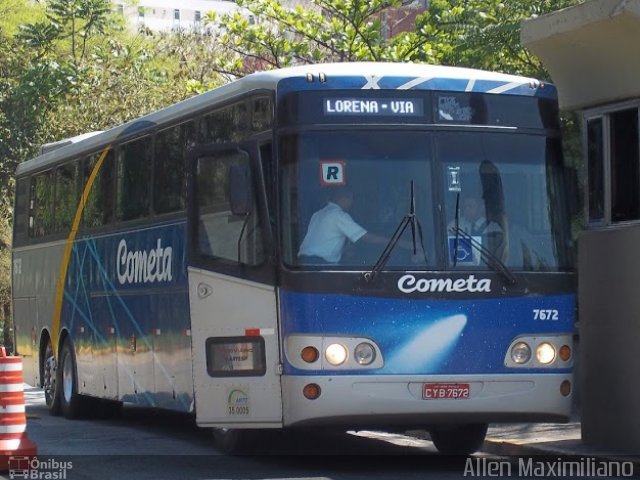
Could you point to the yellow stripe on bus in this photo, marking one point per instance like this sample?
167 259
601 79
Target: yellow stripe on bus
68 248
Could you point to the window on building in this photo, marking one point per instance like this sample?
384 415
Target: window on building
625 166
595 169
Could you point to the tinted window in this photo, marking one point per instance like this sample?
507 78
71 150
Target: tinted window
261 118
66 196
134 175
221 234
169 168
227 125
595 169
625 168
21 217
41 205
98 209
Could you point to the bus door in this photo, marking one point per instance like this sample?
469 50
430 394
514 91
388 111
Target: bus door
234 329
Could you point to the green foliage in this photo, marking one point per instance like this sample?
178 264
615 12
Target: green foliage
481 34
485 34
322 31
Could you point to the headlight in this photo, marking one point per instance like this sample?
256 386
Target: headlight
521 353
545 353
364 353
336 354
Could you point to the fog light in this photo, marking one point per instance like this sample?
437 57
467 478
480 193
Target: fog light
565 388
309 354
311 391
545 353
336 354
565 353
521 353
364 354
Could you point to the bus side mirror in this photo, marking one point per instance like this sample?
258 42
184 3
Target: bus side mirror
240 188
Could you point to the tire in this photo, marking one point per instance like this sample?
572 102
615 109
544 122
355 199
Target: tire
234 441
71 403
48 380
459 439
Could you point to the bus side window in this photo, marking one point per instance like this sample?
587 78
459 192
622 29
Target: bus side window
41 205
169 168
66 193
229 124
98 209
21 218
221 234
133 198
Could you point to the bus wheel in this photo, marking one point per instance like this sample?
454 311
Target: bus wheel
70 401
459 439
233 441
48 377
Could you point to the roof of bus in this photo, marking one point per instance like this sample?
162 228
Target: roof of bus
268 80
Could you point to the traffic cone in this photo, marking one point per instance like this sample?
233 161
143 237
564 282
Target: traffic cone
14 442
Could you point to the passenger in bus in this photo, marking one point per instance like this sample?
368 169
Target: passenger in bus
473 221
472 216
331 227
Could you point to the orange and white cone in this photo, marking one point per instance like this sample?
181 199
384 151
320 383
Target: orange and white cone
13 420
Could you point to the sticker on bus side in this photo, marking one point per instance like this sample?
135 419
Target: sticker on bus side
238 402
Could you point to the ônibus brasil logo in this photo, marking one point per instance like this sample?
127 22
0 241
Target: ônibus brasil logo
33 468
410 284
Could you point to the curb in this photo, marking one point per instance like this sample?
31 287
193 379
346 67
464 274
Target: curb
571 448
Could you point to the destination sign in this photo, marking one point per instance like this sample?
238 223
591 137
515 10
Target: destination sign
402 107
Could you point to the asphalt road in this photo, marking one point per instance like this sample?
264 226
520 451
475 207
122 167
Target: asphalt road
153 444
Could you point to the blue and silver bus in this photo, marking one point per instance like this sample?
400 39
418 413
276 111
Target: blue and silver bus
164 262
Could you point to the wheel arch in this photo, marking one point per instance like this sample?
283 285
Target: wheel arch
45 337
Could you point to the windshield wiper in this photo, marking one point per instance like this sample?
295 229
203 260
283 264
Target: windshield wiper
409 219
487 255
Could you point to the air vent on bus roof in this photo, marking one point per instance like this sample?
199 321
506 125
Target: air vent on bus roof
48 147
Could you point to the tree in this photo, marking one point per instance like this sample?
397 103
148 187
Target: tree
481 34
321 31
485 34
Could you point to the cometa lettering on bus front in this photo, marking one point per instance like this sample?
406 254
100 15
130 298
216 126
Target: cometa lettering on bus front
144 266
410 284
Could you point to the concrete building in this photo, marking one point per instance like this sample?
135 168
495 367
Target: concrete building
160 15
591 51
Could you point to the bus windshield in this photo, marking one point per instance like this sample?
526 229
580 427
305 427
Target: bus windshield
375 169
479 198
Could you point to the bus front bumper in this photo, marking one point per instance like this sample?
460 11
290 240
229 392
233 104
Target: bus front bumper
381 401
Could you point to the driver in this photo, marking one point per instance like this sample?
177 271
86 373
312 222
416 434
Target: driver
331 227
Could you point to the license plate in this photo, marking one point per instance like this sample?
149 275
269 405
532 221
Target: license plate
445 391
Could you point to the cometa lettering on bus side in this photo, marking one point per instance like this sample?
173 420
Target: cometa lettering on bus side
144 266
410 284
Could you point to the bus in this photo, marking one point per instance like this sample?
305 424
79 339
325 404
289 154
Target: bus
164 263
